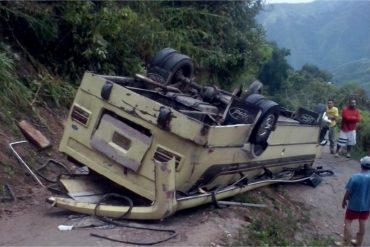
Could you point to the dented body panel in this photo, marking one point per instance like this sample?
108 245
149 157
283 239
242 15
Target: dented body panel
151 145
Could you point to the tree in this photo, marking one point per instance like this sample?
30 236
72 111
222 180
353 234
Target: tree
121 37
312 71
306 87
275 72
222 36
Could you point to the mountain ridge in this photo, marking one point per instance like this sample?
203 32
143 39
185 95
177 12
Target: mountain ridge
320 32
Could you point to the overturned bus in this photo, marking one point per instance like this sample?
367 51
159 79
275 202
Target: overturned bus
159 143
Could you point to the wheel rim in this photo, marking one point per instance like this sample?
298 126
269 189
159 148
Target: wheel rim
266 126
307 119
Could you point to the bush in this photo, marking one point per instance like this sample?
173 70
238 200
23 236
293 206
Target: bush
13 93
363 133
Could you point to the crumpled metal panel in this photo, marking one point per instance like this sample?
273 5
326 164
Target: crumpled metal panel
129 151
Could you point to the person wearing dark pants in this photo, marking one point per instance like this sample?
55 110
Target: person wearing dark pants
332 114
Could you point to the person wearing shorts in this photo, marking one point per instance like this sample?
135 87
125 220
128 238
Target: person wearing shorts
347 135
357 201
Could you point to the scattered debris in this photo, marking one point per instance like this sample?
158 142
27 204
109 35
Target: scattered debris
50 171
241 204
54 167
19 158
34 135
91 222
65 227
7 194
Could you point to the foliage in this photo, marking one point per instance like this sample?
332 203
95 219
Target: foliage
66 38
102 37
63 39
357 71
13 92
352 90
222 36
305 88
275 72
52 90
313 72
363 133
18 93
281 223
8 171
121 37
36 22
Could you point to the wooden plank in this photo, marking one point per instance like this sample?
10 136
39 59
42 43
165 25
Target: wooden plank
34 135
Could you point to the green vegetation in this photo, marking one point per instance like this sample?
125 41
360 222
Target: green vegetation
8 171
13 93
309 87
281 223
121 37
21 92
356 71
45 47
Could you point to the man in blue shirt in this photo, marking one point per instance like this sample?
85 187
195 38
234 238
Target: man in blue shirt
357 201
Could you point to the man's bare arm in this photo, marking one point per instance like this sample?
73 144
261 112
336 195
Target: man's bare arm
345 199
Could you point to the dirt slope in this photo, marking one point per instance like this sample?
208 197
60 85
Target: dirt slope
31 222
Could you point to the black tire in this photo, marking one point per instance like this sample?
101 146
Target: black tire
159 58
178 63
155 69
168 65
266 123
258 149
254 98
265 128
255 87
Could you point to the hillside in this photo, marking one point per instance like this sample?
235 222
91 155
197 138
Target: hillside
358 70
329 34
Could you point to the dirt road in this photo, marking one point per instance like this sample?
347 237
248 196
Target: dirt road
37 225
326 199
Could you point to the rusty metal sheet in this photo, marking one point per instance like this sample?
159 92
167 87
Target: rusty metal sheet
83 188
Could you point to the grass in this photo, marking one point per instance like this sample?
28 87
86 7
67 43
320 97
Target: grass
20 98
9 171
20 93
13 93
52 90
282 223
24 93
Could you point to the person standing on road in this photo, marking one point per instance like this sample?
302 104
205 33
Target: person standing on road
357 201
332 113
347 135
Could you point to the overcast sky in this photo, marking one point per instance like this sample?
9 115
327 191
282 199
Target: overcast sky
301 1
288 1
